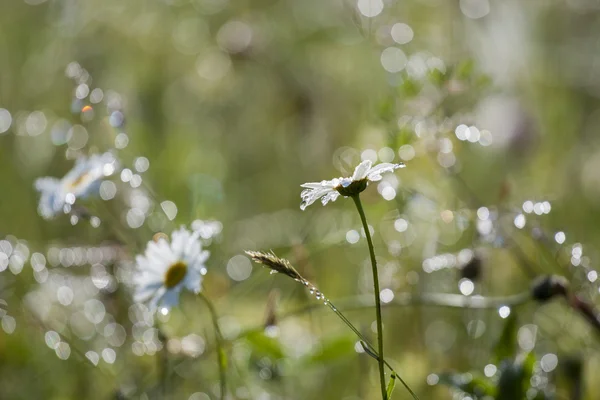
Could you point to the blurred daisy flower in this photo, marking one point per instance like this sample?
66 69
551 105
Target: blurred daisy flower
167 268
330 190
84 179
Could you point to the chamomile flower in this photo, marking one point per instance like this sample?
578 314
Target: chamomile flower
83 180
166 269
330 190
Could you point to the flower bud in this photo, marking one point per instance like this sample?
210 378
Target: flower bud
472 269
546 287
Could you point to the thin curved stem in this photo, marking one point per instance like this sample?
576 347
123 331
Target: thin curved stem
219 345
363 218
446 300
366 342
162 364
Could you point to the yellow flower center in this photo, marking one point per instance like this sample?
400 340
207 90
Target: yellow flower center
78 180
175 274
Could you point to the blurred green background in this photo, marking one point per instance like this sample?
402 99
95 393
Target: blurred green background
492 104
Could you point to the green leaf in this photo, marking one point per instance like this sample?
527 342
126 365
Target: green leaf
529 364
507 343
510 385
387 109
437 77
465 69
515 378
265 345
391 385
404 136
410 87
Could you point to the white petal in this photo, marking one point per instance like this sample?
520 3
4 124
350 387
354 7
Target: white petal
203 256
152 305
84 178
146 276
193 247
374 174
193 280
345 182
140 260
331 196
309 196
151 271
360 172
318 185
164 248
179 241
160 252
171 298
144 293
52 198
46 184
311 185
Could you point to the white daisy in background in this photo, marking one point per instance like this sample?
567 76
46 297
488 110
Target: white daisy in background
84 179
330 190
167 268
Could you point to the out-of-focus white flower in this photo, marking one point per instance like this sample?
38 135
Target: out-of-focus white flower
84 179
167 268
330 190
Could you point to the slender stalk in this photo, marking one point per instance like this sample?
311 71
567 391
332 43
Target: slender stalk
445 300
363 218
366 341
281 265
162 364
219 345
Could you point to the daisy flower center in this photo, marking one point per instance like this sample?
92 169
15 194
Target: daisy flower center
175 274
77 181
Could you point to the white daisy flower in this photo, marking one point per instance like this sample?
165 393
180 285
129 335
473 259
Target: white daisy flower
83 180
330 190
167 268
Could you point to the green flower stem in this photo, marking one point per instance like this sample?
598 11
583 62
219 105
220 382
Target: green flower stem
162 363
380 359
371 348
219 345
